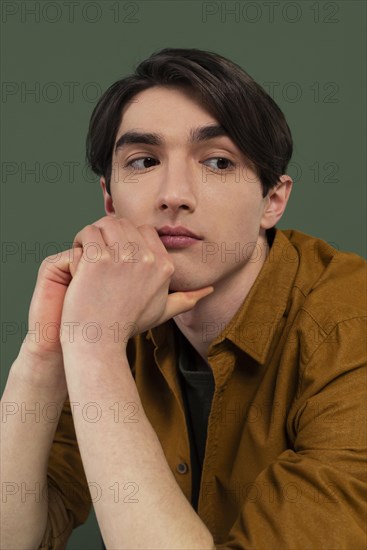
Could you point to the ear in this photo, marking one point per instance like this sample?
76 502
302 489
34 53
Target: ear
276 201
108 202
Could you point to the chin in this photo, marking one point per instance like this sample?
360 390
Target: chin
183 283
181 288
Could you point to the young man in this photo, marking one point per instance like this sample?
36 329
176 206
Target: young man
210 367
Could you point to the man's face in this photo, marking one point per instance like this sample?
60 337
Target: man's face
205 186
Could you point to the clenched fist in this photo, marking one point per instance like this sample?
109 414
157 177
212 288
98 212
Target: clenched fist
121 282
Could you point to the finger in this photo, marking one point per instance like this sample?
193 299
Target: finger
81 234
152 239
91 241
90 234
121 237
77 253
179 302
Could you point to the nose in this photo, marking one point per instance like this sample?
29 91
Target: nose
177 189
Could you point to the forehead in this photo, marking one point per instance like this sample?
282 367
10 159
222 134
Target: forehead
174 117
162 105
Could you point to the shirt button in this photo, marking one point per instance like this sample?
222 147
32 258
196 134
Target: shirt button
182 468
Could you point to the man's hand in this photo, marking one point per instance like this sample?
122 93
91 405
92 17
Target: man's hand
121 284
41 359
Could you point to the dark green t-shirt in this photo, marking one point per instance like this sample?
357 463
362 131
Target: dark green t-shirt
197 386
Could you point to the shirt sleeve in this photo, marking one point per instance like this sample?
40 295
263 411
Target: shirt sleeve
69 500
313 495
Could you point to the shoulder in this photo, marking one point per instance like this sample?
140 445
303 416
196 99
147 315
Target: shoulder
327 318
326 311
331 282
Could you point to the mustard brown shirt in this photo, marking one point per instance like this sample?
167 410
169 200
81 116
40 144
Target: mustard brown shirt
285 456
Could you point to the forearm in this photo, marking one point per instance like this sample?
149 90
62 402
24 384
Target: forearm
140 504
30 409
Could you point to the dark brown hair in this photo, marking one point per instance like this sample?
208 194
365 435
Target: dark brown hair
248 114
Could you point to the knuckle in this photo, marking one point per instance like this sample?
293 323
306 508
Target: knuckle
148 258
93 227
168 268
47 261
43 266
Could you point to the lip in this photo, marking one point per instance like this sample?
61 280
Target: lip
178 237
178 231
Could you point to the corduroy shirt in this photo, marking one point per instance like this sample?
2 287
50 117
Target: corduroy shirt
285 455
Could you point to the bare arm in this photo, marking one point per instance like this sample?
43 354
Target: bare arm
30 409
135 482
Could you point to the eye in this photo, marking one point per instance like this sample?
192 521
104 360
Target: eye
145 162
223 163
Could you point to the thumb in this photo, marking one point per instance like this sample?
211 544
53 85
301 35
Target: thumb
76 255
179 302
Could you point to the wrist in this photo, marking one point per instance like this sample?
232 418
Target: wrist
93 334
41 370
89 352
90 369
93 342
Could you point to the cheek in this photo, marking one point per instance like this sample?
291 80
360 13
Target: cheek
241 217
129 205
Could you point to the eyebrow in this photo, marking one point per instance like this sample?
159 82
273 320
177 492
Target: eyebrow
197 135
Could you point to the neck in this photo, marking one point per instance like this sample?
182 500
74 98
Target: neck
202 324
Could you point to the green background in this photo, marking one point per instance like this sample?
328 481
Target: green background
311 54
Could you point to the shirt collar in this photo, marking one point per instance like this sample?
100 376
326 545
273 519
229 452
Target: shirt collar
253 326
